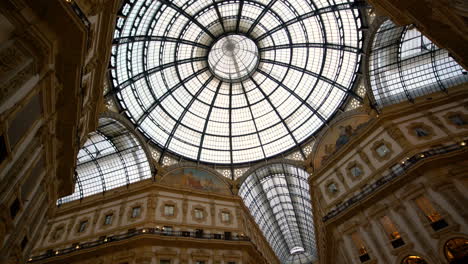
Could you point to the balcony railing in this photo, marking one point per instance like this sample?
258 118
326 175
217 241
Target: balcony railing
133 233
396 171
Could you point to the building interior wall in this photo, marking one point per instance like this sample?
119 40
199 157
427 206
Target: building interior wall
53 74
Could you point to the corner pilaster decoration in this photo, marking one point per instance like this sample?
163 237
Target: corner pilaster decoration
366 159
184 209
437 122
451 194
340 177
395 133
212 212
57 234
151 207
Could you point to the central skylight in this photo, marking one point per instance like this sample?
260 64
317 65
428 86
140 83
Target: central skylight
230 81
233 58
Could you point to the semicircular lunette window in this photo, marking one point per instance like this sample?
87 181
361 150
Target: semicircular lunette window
278 198
404 64
231 82
110 158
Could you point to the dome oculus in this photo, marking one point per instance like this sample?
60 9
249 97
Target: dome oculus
233 58
231 82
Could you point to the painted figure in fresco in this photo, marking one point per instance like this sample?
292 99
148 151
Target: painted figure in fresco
196 179
345 135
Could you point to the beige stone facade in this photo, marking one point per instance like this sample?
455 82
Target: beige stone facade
51 73
150 235
409 200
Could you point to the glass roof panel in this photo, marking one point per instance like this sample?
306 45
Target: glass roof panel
232 81
404 64
110 158
278 198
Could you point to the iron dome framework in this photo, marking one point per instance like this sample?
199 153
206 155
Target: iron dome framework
111 157
404 64
308 56
278 198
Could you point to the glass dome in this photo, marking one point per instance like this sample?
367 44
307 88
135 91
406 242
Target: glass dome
230 81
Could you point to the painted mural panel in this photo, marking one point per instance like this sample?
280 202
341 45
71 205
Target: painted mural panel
195 179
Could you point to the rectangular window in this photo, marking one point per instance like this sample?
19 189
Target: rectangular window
389 227
429 211
382 150
108 219
198 214
24 242
82 226
14 208
3 149
165 261
225 216
168 210
392 232
200 262
227 235
136 211
359 244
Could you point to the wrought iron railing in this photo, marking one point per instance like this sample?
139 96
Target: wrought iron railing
137 232
396 171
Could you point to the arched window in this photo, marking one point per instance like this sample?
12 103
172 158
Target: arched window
413 260
110 158
404 64
278 198
456 250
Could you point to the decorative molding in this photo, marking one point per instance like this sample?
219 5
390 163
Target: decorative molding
379 143
231 216
350 166
78 224
102 219
327 190
54 236
169 203
130 211
204 211
411 128
462 115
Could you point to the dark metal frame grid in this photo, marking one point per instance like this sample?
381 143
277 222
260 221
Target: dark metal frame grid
310 52
404 64
110 158
278 198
